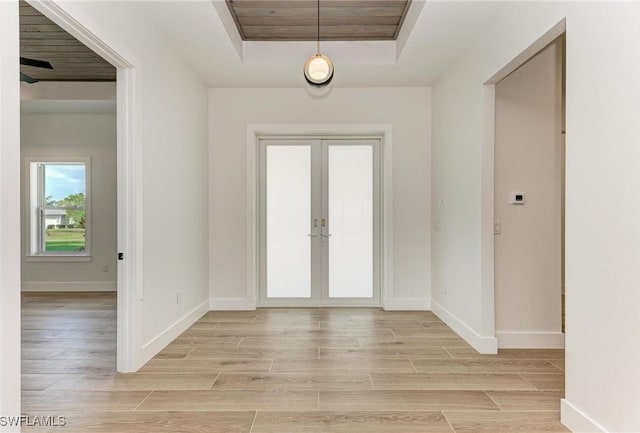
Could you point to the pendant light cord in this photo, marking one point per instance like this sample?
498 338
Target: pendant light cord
318 45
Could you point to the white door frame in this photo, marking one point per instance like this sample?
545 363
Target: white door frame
9 212
319 147
129 175
487 250
257 132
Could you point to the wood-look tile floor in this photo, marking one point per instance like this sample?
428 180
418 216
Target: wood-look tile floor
325 370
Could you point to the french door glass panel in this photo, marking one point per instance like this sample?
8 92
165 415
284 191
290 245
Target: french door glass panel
350 203
288 212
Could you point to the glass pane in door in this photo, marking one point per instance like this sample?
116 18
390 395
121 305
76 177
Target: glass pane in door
288 206
350 177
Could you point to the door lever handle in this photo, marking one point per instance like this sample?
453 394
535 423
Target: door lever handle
315 226
323 225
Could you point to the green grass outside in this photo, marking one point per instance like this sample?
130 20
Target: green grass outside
64 240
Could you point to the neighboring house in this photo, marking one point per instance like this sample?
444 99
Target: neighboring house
56 218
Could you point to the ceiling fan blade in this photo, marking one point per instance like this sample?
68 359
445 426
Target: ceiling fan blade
27 79
35 63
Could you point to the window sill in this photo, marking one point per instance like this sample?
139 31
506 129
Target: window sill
58 258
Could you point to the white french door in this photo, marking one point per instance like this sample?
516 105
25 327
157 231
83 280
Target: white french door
319 222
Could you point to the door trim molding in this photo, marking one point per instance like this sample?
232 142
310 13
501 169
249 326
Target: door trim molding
487 174
129 167
257 131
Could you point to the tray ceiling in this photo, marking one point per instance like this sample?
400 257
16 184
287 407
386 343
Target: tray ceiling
340 20
42 39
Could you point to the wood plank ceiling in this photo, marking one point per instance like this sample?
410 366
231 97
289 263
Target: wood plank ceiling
42 39
340 20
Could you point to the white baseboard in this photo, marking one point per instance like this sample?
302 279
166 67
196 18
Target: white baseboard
486 345
576 420
160 341
530 340
232 304
407 304
69 286
244 304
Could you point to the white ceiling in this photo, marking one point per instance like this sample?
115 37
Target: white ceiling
442 30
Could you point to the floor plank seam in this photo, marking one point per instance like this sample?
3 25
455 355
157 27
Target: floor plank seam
448 353
214 381
553 361
448 421
415 370
190 352
143 400
528 381
255 415
492 399
371 381
550 361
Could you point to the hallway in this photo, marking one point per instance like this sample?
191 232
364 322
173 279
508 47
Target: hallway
281 370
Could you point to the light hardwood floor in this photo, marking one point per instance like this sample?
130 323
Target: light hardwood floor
281 371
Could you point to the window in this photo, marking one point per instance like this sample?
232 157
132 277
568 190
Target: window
59 208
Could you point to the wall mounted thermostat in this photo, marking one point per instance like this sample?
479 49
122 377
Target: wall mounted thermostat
516 198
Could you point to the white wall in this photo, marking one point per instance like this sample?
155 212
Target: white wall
69 91
528 159
602 237
75 135
9 213
171 131
408 110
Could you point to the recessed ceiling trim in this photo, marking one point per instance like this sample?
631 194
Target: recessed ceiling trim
343 52
402 18
235 19
340 20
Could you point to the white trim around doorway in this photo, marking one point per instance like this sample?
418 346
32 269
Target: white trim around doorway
487 255
254 134
130 354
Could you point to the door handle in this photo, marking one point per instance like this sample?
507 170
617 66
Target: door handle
313 229
323 225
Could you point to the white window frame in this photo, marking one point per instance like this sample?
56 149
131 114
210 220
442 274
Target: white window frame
34 203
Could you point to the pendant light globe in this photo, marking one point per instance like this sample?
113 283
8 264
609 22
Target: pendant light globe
318 69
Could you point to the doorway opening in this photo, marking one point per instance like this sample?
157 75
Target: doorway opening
529 202
69 222
320 221
102 67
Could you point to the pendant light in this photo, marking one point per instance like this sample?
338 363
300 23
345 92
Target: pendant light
318 69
